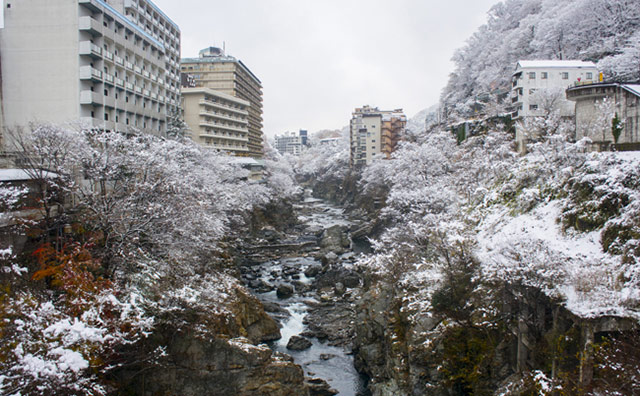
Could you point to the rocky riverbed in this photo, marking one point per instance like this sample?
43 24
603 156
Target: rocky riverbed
308 284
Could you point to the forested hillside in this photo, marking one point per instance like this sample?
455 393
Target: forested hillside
606 32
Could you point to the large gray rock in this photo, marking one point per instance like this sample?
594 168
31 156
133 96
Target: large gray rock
297 343
284 291
335 239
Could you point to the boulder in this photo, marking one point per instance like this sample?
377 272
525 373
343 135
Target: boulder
297 343
319 387
284 291
313 270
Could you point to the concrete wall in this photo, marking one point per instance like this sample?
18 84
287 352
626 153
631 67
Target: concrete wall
40 62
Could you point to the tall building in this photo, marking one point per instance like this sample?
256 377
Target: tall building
220 72
110 65
217 120
291 142
375 133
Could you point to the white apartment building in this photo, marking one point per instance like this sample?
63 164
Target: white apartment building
374 133
291 142
536 81
109 64
217 120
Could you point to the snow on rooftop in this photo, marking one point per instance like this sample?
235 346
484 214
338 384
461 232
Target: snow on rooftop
635 88
556 63
7 175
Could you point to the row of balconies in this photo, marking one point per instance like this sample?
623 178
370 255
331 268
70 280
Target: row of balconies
208 103
223 116
90 73
221 135
211 124
95 99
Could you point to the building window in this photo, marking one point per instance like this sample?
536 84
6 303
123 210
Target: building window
544 75
106 116
532 91
532 75
565 75
589 76
533 107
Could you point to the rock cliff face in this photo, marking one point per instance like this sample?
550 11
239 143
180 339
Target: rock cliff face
218 356
409 353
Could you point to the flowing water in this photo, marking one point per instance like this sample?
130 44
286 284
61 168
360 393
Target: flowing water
332 363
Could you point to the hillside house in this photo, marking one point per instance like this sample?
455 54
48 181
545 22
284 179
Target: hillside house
538 86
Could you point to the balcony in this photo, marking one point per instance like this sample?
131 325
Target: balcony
92 5
89 73
90 25
119 61
90 98
108 78
88 48
128 86
129 65
119 82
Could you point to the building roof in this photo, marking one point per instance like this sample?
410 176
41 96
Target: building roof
220 59
555 64
633 88
8 175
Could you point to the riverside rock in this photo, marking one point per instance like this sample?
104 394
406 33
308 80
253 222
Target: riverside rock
297 343
284 291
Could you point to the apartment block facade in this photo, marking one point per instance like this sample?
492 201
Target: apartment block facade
215 70
217 120
109 64
374 133
291 142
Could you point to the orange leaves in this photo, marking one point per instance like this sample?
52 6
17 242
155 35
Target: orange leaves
71 270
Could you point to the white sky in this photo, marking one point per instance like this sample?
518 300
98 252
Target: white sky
319 59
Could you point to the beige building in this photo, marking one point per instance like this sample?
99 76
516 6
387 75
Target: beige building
217 120
220 72
375 133
593 119
110 65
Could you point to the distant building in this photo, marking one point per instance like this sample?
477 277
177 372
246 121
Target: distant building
533 79
625 99
111 65
329 140
220 72
291 142
187 81
375 133
217 120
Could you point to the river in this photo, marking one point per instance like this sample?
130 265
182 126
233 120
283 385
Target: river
329 357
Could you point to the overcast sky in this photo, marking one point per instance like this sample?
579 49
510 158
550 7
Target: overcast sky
319 59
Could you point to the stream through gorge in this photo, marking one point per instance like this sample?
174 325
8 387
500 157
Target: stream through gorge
307 283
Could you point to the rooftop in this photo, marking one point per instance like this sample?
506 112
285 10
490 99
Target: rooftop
555 64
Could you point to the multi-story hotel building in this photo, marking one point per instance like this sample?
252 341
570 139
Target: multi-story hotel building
375 133
291 142
217 120
220 72
111 65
